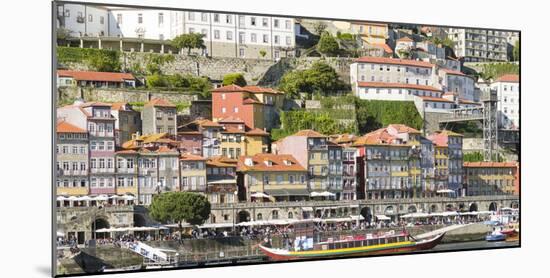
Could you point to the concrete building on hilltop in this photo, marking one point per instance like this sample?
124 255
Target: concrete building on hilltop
479 45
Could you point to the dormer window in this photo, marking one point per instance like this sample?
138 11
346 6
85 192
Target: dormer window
287 162
248 161
268 163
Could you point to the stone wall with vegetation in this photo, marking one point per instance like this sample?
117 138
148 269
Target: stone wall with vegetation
67 95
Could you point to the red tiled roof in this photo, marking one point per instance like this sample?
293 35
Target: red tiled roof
248 89
401 128
257 131
397 85
490 164
231 119
207 123
308 133
384 46
96 103
512 78
65 127
118 105
258 89
232 130
159 102
277 163
393 61
454 72
96 75
191 157
435 99
221 161
228 88
377 137
251 101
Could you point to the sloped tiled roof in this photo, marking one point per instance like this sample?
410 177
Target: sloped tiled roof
96 75
159 102
512 78
277 163
401 128
65 127
309 133
490 164
394 61
221 161
231 119
191 157
435 99
257 132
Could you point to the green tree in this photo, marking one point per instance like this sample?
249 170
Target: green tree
189 42
103 63
328 45
177 207
321 78
516 52
234 78
263 53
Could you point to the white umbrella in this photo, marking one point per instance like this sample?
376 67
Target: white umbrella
115 197
322 194
60 234
445 191
61 198
128 197
259 195
72 198
86 198
101 198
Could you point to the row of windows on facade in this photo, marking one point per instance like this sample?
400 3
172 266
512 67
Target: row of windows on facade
216 18
75 136
101 127
80 17
231 152
496 171
406 91
491 182
243 38
71 149
279 179
416 70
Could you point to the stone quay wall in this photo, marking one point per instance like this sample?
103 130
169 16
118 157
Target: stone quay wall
121 95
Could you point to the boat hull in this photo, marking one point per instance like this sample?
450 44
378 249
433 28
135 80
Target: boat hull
409 246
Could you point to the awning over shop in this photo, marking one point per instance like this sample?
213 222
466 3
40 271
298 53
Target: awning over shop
382 217
307 209
322 194
287 192
216 225
224 181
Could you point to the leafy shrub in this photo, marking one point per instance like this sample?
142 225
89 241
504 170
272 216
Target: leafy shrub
234 78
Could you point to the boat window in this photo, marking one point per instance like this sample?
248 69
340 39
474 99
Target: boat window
338 245
365 243
371 241
358 243
391 240
324 247
331 246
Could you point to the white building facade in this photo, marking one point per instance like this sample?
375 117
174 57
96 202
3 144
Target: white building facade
225 34
507 87
390 70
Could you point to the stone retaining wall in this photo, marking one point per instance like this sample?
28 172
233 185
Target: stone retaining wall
121 95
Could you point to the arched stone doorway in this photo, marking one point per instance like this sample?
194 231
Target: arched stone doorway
493 206
461 207
243 216
514 205
389 210
411 209
433 208
367 214
449 207
139 220
98 224
473 207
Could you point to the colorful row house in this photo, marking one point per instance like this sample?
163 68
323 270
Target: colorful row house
491 178
273 177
